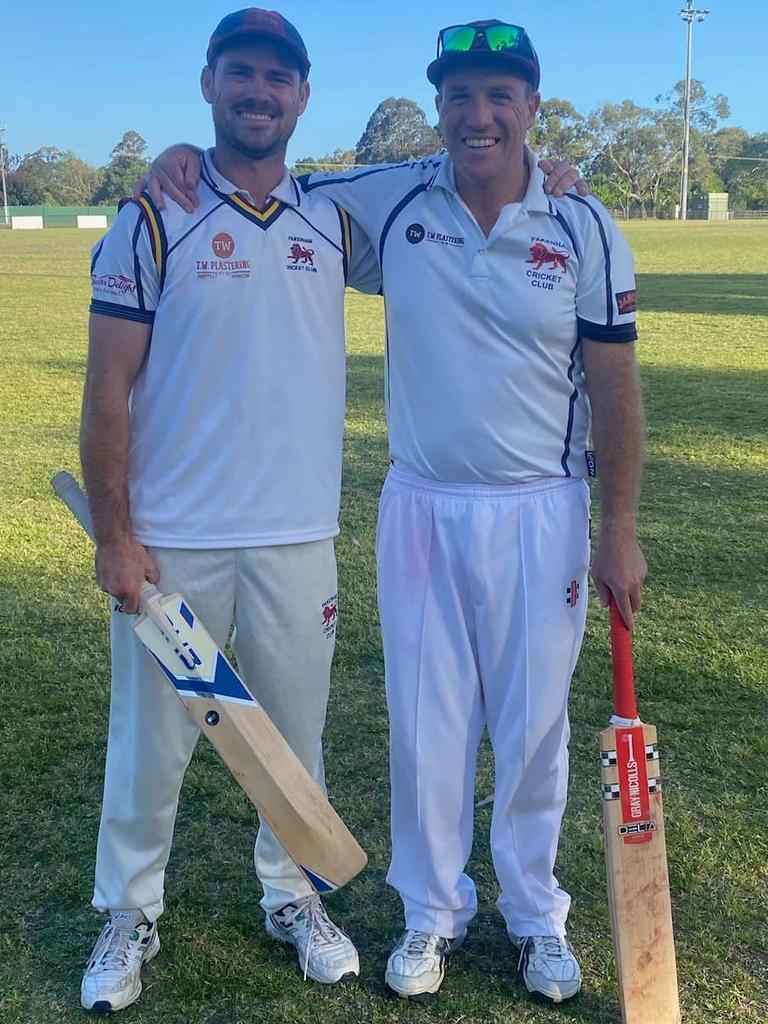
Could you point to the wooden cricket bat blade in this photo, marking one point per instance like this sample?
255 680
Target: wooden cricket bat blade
251 746
246 739
635 852
638 880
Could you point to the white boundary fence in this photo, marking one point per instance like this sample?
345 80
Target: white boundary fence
92 220
60 216
26 223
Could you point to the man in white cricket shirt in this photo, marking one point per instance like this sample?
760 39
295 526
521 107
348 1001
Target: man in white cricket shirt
211 448
509 314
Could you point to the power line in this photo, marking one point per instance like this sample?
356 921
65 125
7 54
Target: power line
749 159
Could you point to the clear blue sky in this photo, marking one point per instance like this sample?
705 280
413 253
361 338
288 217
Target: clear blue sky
78 75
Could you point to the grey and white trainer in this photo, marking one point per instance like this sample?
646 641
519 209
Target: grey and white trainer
549 966
325 953
416 966
112 979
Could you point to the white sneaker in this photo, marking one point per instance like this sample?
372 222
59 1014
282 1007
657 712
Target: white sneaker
549 966
325 953
112 979
416 966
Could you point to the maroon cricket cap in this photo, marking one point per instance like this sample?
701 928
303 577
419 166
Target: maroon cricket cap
255 22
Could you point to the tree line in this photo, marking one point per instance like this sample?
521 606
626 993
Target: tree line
56 177
630 154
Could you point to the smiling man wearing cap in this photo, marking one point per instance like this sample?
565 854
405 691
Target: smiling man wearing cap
211 449
510 329
509 313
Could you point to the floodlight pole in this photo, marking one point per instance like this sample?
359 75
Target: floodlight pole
688 14
6 218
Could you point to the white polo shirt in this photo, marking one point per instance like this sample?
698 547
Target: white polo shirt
484 375
238 410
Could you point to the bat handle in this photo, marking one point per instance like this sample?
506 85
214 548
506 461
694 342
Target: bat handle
147 593
73 496
624 702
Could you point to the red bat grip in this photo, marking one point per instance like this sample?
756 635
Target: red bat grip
624 703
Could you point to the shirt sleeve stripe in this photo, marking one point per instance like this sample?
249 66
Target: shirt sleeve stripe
308 186
599 332
567 229
96 254
606 255
141 316
137 263
393 215
157 237
346 237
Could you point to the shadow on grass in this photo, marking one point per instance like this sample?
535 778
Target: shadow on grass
726 294
67 366
728 400
365 378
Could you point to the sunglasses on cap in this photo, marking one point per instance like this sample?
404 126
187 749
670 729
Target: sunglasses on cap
498 38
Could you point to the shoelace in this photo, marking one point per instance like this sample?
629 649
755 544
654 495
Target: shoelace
320 925
416 943
551 946
115 950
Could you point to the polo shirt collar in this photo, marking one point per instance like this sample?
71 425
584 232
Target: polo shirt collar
446 176
534 198
287 191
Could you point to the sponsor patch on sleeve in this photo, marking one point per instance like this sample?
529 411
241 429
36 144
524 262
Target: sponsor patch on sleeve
112 284
627 301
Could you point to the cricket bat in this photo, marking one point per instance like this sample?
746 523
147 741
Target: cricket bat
635 851
272 777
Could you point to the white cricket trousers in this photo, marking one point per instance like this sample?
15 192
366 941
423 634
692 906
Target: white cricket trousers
482 596
275 597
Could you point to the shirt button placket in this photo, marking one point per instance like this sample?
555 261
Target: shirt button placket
480 263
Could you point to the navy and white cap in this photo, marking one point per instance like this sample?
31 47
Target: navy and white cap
255 23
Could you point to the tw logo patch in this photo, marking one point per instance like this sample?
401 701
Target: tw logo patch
572 593
330 613
223 246
415 233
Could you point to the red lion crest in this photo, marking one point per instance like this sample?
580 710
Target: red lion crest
540 255
300 254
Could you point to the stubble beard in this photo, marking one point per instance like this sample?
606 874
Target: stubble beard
229 135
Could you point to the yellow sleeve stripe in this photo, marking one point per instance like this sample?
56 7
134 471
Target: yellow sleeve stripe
346 232
156 235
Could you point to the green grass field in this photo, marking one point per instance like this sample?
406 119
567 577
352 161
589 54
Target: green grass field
701 654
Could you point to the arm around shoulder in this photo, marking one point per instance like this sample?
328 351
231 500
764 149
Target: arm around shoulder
174 173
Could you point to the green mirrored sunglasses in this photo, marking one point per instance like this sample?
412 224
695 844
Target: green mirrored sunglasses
495 38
